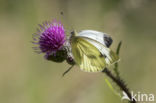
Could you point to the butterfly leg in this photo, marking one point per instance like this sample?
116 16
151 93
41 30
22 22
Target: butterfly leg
67 70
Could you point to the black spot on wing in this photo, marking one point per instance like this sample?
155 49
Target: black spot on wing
107 40
91 56
102 55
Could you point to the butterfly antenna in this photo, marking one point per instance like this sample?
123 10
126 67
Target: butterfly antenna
70 28
67 71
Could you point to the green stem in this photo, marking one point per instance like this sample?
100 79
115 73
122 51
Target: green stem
116 64
120 83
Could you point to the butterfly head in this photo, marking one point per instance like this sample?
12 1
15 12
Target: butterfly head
73 34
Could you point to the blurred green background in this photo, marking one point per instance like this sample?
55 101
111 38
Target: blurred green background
26 77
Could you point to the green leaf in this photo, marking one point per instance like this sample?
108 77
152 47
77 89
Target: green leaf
112 89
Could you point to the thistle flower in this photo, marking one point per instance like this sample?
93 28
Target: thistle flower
50 39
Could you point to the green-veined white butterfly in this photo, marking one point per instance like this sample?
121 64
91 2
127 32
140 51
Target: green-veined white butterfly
90 50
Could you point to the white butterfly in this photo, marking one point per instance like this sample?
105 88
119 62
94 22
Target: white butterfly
90 50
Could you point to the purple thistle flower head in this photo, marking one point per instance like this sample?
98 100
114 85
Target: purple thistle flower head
50 38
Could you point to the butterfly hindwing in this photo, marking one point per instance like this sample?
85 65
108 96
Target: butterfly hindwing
87 56
110 56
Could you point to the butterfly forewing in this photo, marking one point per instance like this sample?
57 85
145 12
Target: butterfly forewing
101 37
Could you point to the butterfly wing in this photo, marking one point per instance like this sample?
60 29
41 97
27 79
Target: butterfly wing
101 37
87 56
110 56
